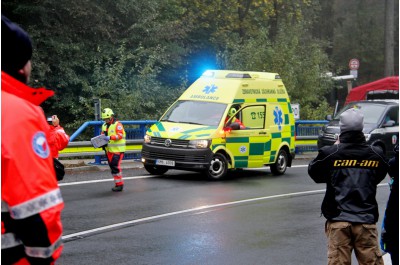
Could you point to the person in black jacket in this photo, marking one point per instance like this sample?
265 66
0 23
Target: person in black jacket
390 228
351 170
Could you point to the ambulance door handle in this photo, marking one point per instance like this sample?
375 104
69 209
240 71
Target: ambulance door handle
262 133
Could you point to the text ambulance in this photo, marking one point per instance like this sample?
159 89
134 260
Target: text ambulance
225 120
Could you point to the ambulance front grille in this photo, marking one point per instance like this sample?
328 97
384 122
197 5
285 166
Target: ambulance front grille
174 157
174 142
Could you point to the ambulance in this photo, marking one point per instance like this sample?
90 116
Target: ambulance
225 120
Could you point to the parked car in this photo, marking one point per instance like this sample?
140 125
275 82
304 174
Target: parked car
381 124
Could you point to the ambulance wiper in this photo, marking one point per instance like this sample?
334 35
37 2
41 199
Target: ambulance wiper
169 120
196 123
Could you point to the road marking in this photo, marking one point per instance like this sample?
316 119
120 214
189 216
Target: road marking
102 180
387 260
205 207
137 177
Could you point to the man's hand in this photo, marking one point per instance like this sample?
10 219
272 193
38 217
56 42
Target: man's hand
107 138
54 120
337 139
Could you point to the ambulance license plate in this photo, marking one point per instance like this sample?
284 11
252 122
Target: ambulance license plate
162 162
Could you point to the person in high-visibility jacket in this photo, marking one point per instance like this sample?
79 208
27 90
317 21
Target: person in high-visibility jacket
233 112
113 132
31 201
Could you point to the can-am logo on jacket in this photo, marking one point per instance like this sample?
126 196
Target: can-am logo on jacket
278 117
40 145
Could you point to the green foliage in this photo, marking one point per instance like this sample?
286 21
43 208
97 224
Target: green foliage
316 111
359 35
297 58
137 55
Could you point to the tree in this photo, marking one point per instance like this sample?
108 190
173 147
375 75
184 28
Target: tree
359 33
145 52
389 38
112 50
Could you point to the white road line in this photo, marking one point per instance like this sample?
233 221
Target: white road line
258 168
205 207
79 234
102 180
387 259
137 177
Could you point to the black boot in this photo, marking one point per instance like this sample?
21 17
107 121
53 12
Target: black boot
118 188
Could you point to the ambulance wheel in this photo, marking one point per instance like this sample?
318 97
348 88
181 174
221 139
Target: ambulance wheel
218 167
280 166
155 170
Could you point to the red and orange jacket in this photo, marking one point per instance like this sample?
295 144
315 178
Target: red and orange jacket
58 139
31 201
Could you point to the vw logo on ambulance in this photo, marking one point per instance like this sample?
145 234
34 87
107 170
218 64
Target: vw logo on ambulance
168 142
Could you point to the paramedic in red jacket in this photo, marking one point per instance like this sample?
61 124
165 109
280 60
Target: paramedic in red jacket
31 201
58 138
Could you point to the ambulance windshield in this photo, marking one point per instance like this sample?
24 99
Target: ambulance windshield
195 112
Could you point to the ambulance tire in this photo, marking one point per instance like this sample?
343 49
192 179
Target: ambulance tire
218 167
153 170
280 166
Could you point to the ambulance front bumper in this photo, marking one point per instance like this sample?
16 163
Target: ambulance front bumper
178 158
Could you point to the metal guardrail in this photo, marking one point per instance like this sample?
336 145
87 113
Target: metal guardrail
306 139
97 127
85 148
307 135
134 138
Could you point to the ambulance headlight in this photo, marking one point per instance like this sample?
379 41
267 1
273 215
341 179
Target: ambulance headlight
147 139
199 144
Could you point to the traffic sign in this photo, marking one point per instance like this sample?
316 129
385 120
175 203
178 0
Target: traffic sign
354 64
354 73
296 110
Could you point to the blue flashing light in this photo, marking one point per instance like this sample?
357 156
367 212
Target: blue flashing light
208 73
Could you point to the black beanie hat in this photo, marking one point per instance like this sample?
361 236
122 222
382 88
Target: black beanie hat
16 47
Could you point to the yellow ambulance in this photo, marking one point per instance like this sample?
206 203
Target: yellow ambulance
225 120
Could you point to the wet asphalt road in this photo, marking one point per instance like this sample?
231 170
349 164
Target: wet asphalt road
252 217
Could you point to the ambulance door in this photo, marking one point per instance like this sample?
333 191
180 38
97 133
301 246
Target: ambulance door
248 144
278 126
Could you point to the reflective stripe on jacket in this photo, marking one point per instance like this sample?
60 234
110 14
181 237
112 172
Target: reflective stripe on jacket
115 130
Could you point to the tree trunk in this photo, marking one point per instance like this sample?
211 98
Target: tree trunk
389 38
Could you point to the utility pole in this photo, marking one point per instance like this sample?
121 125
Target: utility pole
389 38
97 109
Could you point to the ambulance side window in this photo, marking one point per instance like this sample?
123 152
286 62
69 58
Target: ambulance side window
392 115
253 117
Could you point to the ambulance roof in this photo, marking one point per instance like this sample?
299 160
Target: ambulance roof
225 86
